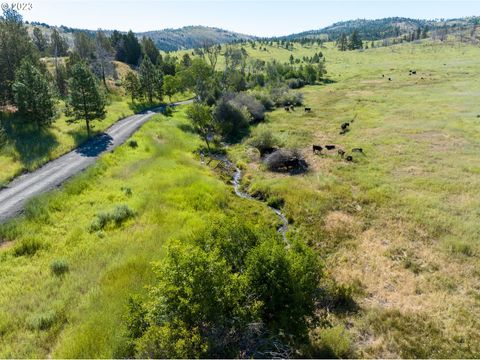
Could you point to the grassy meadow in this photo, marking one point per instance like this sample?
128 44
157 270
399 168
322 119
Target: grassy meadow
398 226
66 276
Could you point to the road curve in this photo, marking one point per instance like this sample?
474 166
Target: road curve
14 196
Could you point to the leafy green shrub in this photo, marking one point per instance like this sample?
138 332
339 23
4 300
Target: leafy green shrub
264 141
283 96
213 286
231 120
27 247
264 99
59 267
295 83
121 213
118 215
331 343
253 106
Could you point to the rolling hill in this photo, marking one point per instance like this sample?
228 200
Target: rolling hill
384 28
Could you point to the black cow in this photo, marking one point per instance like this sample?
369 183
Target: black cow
349 158
330 147
359 150
307 109
345 125
389 79
287 108
317 148
341 152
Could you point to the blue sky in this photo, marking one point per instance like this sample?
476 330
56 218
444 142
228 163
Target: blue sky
262 18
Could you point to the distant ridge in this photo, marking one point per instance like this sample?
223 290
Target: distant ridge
382 28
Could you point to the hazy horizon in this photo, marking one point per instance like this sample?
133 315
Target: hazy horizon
259 18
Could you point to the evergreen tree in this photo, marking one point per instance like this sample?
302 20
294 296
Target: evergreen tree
133 50
39 40
354 42
85 101
342 42
33 95
170 86
15 46
84 45
149 49
132 86
150 80
58 44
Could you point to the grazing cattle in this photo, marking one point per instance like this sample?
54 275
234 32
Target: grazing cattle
422 78
287 108
383 75
292 107
359 150
307 109
389 79
414 72
341 152
349 158
330 147
344 126
317 148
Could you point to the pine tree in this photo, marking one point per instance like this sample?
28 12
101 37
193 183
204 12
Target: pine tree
15 46
85 101
150 80
149 49
342 42
33 95
354 42
39 40
132 86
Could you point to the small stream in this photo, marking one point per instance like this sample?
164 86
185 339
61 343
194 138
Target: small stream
236 182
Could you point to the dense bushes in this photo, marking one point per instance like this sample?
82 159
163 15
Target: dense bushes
229 291
264 141
231 120
285 160
283 96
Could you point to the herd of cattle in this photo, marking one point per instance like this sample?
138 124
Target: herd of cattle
344 128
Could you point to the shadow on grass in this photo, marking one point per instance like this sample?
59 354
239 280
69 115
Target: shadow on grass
30 142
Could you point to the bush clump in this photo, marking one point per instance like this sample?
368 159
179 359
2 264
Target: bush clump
249 102
231 120
59 267
133 144
264 99
295 83
264 141
285 160
118 215
284 96
27 247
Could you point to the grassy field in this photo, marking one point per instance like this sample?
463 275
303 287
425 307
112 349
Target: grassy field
399 225
65 282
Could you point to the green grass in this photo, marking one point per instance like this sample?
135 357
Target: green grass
415 189
65 284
